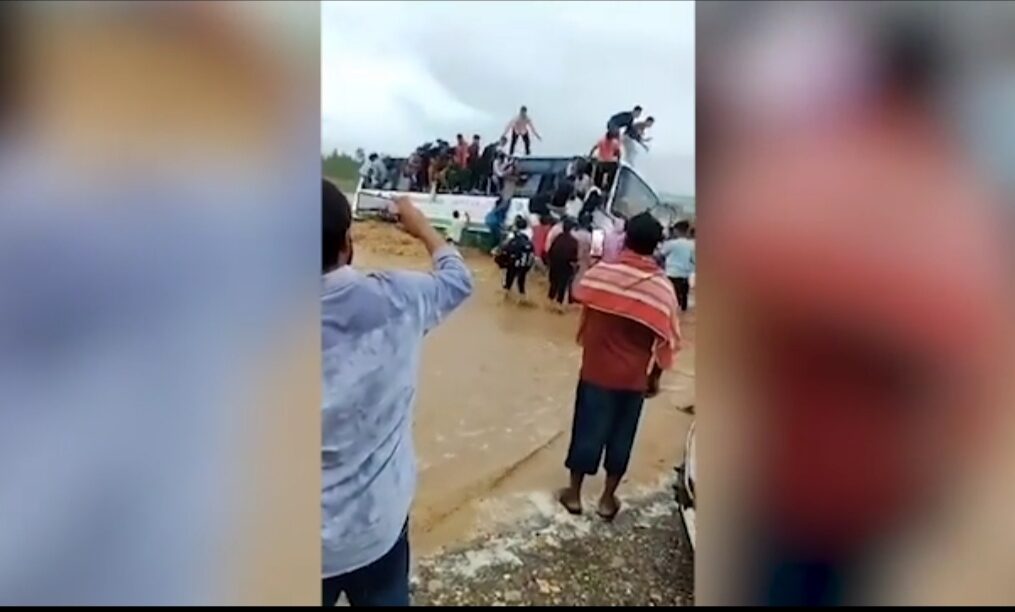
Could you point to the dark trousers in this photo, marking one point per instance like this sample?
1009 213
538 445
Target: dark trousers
512 275
385 582
560 281
682 286
514 141
604 419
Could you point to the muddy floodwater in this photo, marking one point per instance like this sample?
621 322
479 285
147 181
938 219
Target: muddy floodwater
494 407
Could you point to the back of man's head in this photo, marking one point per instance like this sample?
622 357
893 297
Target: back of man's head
373 157
682 228
643 234
521 223
335 222
637 109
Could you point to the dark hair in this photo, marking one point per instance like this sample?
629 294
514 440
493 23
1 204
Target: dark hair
682 227
459 137
475 136
545 219
373 157
569 223
643 233
650 119
335 221
637 108
454 215
524 109
521 223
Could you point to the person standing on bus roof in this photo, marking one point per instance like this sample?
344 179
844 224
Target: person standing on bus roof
519 127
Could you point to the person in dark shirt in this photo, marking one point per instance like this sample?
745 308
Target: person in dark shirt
518 256
622 121
562 259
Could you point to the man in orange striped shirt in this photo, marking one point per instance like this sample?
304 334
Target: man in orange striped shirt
629 334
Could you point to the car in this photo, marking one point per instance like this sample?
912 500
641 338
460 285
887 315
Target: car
684 488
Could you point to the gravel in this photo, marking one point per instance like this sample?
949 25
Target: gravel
642 559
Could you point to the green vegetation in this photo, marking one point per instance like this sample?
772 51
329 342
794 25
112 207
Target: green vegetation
342 169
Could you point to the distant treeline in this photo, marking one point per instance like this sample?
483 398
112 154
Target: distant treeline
340 166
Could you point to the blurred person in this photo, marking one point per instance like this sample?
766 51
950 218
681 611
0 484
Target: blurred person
516 257
678 254
520 127
458 224
629 334
372 333
862 417
562 260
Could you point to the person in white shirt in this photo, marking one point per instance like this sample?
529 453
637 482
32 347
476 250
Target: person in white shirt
364 169
457 227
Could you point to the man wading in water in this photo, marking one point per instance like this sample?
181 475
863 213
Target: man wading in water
629 334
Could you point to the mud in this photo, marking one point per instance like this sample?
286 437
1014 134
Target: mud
494 407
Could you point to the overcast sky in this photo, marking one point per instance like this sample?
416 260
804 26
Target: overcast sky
395 75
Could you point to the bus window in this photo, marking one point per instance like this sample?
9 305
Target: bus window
633 196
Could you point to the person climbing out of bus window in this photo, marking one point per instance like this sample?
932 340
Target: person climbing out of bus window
622 121
629 334
517 256
678 254
457 227
520 127
372 330
562 260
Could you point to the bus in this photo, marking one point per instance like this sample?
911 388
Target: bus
626 195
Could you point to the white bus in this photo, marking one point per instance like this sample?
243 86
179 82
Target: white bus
626 195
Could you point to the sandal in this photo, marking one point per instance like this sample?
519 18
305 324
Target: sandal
570 509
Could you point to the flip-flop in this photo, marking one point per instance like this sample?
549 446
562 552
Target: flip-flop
609 517
570 510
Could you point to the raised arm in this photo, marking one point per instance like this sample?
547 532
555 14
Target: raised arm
447 286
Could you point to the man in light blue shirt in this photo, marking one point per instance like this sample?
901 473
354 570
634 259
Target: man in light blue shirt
678 253
372 328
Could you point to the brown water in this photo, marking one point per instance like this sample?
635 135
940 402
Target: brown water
495 400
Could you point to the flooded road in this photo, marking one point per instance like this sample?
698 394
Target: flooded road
496 393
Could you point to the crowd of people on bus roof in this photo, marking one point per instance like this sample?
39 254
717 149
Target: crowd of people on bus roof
467 166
